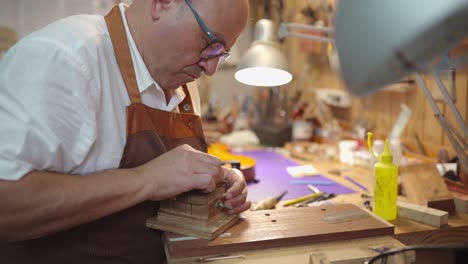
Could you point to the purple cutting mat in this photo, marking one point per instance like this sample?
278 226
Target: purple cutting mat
270 170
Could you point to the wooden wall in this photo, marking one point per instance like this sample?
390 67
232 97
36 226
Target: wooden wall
380 109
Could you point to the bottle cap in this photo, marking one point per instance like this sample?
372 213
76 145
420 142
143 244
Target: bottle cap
386 156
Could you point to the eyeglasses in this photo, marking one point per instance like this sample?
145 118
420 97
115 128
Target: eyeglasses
216 47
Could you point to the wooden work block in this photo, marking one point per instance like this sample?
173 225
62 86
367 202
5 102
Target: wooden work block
207 211
194 213
283 227
181 208
203 212
200 198
423 185
190 226
423 214
193 205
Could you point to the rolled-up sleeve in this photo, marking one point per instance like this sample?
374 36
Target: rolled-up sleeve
47 109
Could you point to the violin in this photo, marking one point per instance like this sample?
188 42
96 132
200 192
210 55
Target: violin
247 164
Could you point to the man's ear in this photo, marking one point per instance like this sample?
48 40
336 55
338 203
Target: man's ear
158 7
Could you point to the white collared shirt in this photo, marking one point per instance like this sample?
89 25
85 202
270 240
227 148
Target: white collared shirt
63 100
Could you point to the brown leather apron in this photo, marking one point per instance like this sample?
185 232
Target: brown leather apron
121 237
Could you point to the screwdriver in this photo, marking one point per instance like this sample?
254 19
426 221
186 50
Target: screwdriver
268 203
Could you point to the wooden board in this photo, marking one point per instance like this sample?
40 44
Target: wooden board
452 235
279 228
423 214
423 185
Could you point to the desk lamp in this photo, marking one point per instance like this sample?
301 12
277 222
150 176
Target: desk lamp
379 42
264 64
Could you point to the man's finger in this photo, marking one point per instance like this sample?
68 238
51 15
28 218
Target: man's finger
244 207
204 182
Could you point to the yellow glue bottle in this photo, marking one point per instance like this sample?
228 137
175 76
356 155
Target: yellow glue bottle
385 183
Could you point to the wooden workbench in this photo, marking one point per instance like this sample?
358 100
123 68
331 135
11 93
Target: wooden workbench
407 231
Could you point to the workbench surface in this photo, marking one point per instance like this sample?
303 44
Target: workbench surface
407 231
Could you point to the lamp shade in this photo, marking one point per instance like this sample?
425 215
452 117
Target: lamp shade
379 42
264 64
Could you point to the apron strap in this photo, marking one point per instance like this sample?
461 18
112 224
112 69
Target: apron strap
124 60
122 53
186 105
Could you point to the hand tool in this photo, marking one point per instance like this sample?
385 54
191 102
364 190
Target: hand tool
307 202
301 199
313 188
351 180
321 197
220 257
268 203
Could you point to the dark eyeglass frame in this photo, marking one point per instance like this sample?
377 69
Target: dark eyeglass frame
215 44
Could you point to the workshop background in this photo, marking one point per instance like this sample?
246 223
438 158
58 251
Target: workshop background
313 121
309 62
378 112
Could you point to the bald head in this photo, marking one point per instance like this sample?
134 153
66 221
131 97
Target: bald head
170 39
226 17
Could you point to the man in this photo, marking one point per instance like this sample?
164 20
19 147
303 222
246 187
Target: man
95 129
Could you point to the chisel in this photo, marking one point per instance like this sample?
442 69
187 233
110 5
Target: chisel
268 203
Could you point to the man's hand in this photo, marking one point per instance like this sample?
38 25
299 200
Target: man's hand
236 195
183 169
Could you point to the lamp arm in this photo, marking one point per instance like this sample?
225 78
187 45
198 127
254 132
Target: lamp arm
308 27
449 101
284 31
460 60
310 37
457 141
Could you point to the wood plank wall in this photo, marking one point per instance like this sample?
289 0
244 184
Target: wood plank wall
379 110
